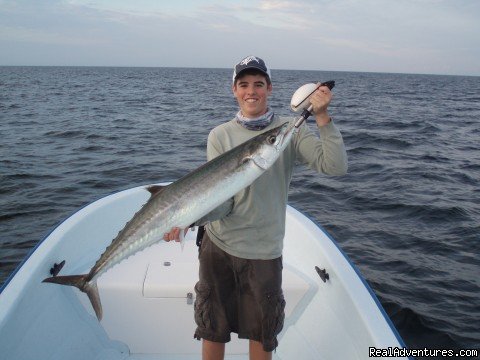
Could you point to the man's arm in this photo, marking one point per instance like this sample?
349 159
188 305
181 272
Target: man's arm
327 154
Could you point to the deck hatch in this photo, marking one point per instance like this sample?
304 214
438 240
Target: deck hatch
170 279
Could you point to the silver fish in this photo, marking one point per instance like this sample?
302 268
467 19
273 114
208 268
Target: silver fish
183 202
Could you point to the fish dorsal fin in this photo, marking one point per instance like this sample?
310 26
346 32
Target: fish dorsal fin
155 189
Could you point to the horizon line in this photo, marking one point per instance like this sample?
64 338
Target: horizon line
224 68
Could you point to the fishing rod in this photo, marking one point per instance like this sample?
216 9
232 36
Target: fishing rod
301 100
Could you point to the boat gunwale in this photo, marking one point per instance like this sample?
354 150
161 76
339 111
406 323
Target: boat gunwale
60 223
359 275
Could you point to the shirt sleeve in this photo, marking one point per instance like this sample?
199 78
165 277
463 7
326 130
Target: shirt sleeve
326 154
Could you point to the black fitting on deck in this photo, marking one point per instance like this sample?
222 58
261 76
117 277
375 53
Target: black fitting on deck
323 274
55 269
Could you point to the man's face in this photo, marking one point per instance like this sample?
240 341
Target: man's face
251 92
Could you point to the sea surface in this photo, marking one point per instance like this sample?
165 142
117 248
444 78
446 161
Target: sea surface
407 214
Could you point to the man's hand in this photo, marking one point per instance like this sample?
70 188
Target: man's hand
174 234
320 100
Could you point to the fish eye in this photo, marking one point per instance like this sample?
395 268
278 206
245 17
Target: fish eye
271 139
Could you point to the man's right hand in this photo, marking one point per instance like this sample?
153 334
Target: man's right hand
174 234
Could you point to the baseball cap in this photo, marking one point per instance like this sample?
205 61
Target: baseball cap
251 62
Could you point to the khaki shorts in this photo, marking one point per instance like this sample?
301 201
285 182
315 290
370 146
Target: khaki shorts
238 295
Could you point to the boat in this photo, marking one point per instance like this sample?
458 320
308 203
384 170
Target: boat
331 312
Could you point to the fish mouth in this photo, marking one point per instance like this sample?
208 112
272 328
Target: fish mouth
286 133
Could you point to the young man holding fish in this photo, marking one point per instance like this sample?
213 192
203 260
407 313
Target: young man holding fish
241 253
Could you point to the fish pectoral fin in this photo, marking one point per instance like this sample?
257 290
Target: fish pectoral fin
182 238
260 162
155 189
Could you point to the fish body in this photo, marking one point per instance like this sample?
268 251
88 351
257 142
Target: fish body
184 201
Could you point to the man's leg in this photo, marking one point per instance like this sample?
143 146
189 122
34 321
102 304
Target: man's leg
257 352
212 350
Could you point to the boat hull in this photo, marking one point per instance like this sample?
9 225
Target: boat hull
148 298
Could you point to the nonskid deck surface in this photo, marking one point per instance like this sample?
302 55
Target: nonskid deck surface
187 357
184 357
275 356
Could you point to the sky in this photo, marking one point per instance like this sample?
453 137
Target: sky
401 36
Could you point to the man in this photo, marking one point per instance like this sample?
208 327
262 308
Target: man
241 252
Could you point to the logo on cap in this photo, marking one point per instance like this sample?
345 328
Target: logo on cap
249 59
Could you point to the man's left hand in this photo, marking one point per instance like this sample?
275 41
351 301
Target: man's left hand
320 100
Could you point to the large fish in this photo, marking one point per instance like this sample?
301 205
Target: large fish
183 202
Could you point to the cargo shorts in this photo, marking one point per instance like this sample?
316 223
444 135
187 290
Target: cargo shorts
238 295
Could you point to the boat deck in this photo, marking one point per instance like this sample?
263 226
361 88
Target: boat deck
185 357
148 298
159 284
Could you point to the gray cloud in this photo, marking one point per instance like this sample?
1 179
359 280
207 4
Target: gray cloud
432 36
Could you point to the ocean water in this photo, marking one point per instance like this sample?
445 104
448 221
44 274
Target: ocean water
407 214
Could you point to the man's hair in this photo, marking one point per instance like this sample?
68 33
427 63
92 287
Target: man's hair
252 72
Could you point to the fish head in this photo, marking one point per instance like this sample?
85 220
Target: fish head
270 144
276 139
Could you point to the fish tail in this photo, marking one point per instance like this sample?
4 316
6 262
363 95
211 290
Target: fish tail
80 282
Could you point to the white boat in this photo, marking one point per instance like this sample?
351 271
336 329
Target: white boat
148 298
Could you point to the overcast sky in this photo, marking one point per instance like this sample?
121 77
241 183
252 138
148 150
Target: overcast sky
407 36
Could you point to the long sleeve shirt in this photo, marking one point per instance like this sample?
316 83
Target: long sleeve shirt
251 225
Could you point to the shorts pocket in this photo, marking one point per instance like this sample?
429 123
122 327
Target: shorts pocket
203 306
273 315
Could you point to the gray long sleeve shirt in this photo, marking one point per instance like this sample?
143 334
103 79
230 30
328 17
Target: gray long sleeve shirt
251 225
